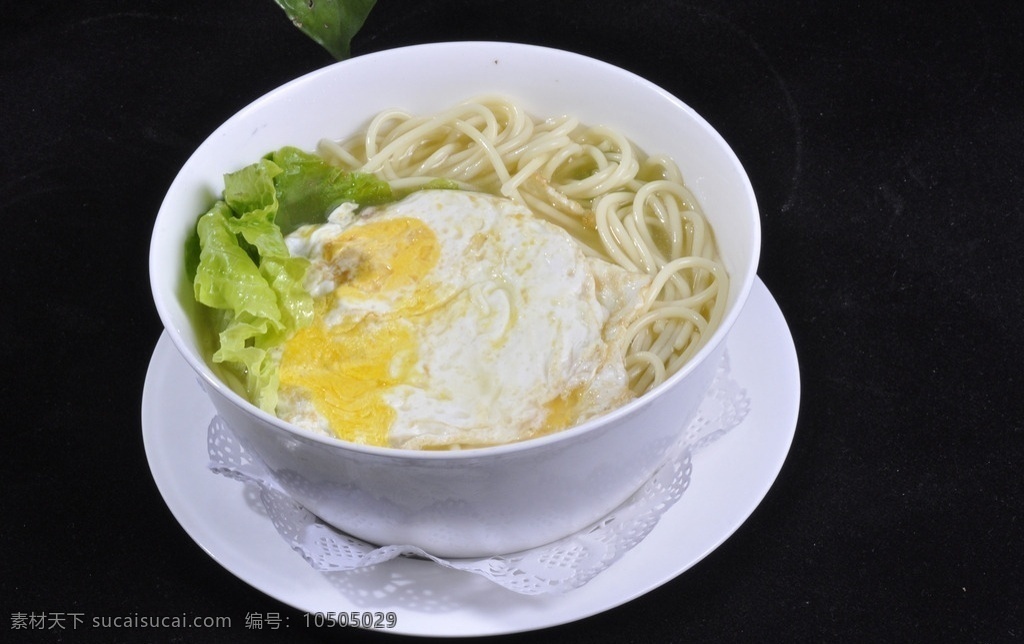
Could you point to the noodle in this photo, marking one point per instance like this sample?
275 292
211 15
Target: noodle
627 209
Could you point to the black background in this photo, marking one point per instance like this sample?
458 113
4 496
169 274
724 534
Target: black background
884 142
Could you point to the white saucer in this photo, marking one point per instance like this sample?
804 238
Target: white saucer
228 523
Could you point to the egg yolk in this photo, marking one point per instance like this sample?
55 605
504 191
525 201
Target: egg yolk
345 368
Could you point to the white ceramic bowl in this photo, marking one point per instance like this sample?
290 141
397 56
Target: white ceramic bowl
496 499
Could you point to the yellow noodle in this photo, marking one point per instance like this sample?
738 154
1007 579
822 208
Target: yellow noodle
623 207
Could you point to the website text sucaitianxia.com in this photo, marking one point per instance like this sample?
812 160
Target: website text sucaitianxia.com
72 621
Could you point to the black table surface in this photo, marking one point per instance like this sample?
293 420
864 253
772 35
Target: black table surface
883 140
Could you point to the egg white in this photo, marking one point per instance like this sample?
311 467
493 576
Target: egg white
489 325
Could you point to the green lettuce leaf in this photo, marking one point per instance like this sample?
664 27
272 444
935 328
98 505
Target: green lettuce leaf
308 188
240 265
246 272
260 300
331 23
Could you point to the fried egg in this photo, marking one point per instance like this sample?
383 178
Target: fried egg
454 319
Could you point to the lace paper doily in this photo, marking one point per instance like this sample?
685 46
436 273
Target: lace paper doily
557 567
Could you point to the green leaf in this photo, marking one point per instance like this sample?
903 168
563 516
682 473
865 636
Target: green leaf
240 264
308 189
332 23
244 271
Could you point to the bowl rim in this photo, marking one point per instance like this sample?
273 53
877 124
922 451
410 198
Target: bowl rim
744 281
